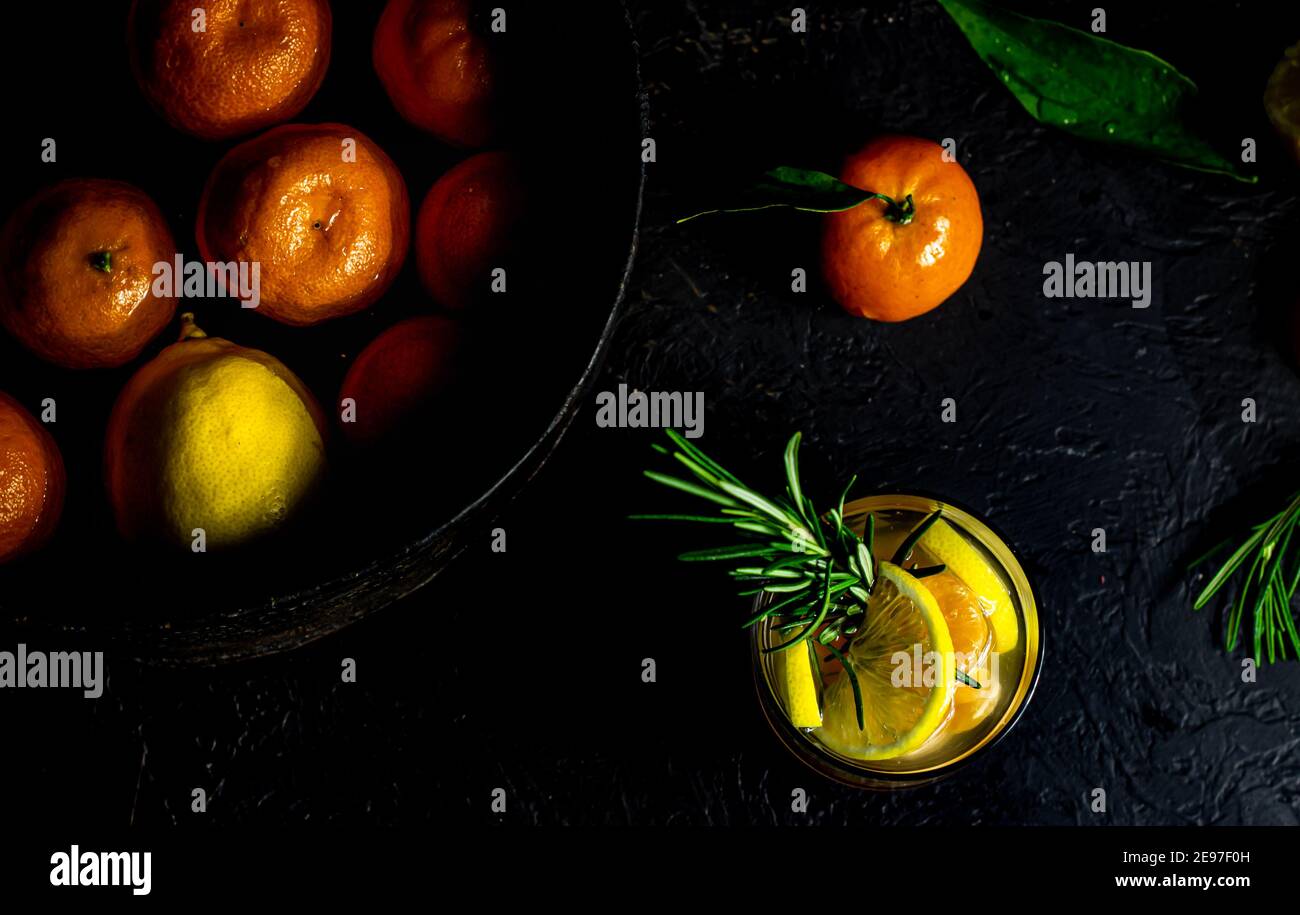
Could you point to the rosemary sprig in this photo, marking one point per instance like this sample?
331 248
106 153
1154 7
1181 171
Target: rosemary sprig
1272 565
817 572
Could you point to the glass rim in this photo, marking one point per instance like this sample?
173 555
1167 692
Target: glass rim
856 773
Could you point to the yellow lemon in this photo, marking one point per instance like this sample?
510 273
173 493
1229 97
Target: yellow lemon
903 658
214 438
794 670
944 543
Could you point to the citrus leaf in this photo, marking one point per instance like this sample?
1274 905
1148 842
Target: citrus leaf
725 552
801 189
1090 86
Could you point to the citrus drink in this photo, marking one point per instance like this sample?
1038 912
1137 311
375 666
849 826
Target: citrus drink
944 655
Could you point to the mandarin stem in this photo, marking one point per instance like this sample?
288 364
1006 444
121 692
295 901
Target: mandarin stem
190 330
901 213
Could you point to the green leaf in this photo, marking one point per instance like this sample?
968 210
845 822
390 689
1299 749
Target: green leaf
702 519
1226 571
867 564
792 477
777 606
767 507
798 188
905 548
853 682
1090 86
816 528
693 489
685 444
725 552
761 572
817 621
845 494
756 527
785 589
799 559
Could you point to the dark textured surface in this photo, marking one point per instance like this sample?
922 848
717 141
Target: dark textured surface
522 670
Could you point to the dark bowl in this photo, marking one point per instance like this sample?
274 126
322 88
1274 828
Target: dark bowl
388 522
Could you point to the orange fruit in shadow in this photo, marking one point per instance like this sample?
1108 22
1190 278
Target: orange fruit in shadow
31 481
891 262
1282 99
319 208
437 64
76 273
229 67
399 377
467 226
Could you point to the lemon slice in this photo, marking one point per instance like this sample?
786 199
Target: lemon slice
902 704
1282 99
794 671
952 549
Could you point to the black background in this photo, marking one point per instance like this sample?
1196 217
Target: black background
522 670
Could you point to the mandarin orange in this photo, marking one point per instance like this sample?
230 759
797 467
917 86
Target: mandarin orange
77 273
229 67
399 377
438 66
890 261
467 226
31 481
320 208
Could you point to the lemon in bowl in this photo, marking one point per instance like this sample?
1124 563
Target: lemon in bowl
211 446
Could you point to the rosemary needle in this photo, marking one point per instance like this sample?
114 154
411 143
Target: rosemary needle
1272 572
816 572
